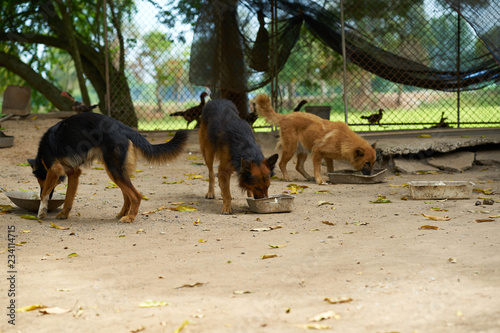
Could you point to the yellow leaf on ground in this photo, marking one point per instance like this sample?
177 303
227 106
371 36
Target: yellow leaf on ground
24 231
338 300
151 304
276 246
268 256
183 208
180 328
53 225
29 217
429 227
30 308
436 218
315 327
324 316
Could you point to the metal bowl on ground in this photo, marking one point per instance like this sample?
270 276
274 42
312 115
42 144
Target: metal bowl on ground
6 141
31 201
273 204
356 177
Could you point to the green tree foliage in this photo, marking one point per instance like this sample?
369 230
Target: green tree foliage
37 35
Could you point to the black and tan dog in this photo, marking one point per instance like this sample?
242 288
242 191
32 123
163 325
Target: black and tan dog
223 134
330 140
85 137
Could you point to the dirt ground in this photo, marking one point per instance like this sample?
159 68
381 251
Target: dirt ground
391 275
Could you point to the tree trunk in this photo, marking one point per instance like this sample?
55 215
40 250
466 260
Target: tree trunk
35 80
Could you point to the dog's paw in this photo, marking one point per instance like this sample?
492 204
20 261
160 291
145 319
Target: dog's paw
210 195
127 219
62 215
227 211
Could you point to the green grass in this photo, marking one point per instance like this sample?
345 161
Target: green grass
419 118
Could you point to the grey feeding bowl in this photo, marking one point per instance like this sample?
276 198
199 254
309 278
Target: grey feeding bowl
422 190
6 141
356 177
274 204
30 200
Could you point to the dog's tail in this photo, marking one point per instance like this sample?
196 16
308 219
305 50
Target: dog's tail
265 109
160 153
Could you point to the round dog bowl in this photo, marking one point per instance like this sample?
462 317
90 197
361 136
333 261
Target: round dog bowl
274 204
31 201
6 141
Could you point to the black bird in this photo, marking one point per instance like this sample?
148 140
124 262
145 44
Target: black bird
374 118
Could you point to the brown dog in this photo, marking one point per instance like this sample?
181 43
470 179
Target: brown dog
305 132
225 135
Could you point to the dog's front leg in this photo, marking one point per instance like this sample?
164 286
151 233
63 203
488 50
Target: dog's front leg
54 176
224 182
70 194
301 159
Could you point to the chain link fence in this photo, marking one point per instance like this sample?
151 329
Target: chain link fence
428 34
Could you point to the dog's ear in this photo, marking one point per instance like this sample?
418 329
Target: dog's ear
32 163
359 152
374 145
271 161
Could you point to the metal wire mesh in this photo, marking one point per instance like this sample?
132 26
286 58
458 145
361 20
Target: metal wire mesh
157 65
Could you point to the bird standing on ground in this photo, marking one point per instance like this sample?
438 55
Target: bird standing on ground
78 106
442 123
193 113
374 118
300 105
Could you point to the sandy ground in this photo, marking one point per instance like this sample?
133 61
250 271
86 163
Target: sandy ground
394 276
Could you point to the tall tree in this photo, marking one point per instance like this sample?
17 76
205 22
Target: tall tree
75 27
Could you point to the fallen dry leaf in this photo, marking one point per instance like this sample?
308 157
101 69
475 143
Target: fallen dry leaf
324 316
436 218
30 308
268 256
429 227
53 225
29 217
53 310
484 220
151 304
142 328
180 328
241 292
328 222
338 300
315 327
276 246
196 284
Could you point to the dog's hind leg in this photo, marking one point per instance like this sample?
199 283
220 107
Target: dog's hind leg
70 193
125 207
133 202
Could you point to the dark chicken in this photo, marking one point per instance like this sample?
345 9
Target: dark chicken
374 118
78 106
193 113
300 105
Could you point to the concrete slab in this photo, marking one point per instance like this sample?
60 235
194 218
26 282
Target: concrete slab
488 157
459 161
412 166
